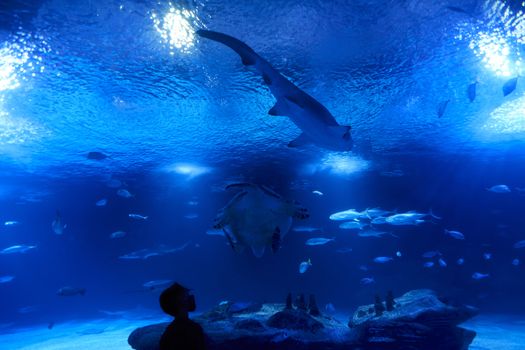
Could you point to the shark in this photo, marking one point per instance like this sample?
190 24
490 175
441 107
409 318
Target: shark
317 124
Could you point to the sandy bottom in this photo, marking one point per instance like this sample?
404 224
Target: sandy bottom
494 332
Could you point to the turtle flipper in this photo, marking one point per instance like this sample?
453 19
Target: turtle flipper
276 240
235 246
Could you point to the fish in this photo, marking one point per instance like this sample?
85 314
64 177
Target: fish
21 248
101 202
144 254
454 234
117 234
11 223
124 193
487 256
457 9
442 262
460 261
156 283
113 183
138 216
317 124
409 218
516 262
471 91
213 232
372 213
193 203
442 106
329 308
71 291
319 241
307 229
367 280
428 264
431 254
499 189
191 216
304 266
479 275
519 245
57 225
6 279
352 225
398 254
350 214
380 220
319 193
383 259
393 173
96 156
509 86
376 234
363 267
27 309
344 250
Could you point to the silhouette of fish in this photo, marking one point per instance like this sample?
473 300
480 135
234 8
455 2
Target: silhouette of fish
509 86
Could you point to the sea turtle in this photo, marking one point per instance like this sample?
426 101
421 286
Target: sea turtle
257 217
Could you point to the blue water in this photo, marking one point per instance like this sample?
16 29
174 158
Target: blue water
180 122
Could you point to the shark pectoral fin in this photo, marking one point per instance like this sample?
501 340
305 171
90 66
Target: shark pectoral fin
343 130
301 140
279 108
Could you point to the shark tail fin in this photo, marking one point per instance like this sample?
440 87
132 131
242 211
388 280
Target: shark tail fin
248 56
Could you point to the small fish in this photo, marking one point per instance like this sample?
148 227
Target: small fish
380 220
156 283
307 229
372 213
114 183
479 275
460 261
144 254
457 9
487 256
193 203
516 262
6 279
71 291
329 308
57 225
519 245
428 264
319 193
376 234
117 234
454 234
471 91
442 106
431 254
191 216
442 262
393 173
367 280
509 86
383 259
363 267
22 248
101 202
304 266
350 214
124 193
499 189
213 232
27 309
50 325
344 250
138 217
96 156
398 254
11 223
352 225
319 241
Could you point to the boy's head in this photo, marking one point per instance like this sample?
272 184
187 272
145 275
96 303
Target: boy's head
176 300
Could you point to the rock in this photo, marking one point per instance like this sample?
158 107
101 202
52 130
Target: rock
420 320
294 319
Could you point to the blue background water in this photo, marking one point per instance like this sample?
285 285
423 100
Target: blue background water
111 84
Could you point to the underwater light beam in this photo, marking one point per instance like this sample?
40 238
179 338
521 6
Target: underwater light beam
175 29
